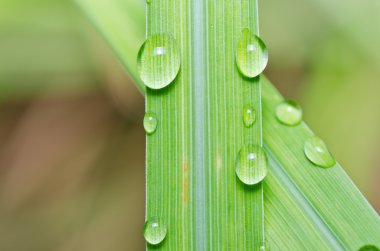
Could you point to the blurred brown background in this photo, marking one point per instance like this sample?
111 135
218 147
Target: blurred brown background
71 137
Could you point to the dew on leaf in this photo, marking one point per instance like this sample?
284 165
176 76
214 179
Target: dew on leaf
158 61
316 151
251 54
289 113
251 164
154 231
150 122
249 115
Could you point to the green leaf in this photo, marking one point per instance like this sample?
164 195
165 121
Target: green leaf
306 207
191 182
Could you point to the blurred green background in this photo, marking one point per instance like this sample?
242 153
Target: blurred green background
71 137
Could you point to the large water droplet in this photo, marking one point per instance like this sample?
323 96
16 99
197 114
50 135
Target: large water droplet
369 248
251 55
316 151
154 231
249 115
289 113
150 122
158 61
251 164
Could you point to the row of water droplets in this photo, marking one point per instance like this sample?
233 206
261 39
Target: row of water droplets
158 64
251 60
289 113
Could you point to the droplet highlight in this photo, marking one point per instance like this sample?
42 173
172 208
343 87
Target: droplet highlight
158 61
289 113
154 231
251 164
249 115
265 246
316 151
369 248
150 122
251 55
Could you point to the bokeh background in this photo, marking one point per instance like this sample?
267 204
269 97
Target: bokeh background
71 137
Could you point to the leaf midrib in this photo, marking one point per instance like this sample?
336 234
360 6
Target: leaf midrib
198 80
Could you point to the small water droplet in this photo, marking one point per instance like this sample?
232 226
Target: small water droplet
251 55
148 1
251 164
150 122
265 246
316 151
154 231
289 113
158 61
249 115
369 248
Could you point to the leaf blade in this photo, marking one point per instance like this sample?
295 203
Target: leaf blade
211 97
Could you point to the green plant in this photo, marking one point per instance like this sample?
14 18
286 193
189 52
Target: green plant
309 202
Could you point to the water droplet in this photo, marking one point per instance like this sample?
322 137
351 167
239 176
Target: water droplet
316 151
249 115
154 231
265 246
289 113
251 164
158 61
148 1
251 55
369 248
150 122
